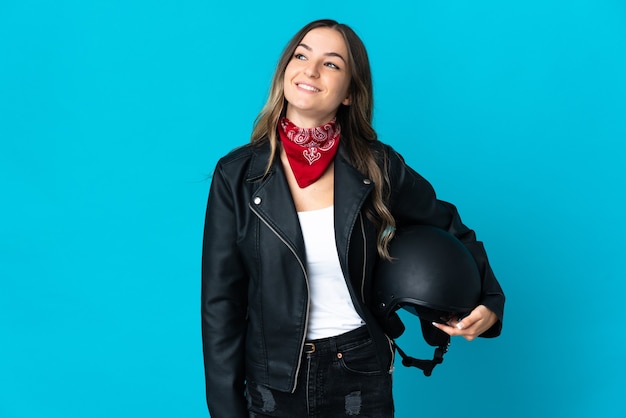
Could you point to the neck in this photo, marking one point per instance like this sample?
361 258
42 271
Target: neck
304 121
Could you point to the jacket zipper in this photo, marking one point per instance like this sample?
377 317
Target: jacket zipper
393 354
306 279
389 341
364 257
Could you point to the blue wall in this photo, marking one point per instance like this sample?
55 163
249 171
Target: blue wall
113 113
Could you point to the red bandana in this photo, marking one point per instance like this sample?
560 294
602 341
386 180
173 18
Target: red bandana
309 150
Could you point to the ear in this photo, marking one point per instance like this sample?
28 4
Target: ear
347 101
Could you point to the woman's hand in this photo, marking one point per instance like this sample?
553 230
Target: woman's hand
470 327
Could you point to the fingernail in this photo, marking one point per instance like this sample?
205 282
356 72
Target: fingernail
459 326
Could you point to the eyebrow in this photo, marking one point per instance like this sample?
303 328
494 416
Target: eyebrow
329 54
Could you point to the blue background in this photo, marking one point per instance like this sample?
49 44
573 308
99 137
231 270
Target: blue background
113 113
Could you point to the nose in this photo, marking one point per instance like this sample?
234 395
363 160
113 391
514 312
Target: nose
311 70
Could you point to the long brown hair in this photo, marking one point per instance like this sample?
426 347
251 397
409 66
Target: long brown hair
355 120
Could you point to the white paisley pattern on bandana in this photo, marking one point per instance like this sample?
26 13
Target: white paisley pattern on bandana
313 140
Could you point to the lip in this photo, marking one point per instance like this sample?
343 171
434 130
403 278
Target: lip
307 87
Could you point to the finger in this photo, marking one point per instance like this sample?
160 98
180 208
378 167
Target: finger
475 316
451 322
465 323
468 333
450 330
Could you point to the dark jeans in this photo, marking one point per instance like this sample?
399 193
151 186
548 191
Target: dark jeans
339 377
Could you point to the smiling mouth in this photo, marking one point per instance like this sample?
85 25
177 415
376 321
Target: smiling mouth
307 87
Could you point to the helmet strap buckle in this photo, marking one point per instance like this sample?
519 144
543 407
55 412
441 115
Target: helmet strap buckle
426 366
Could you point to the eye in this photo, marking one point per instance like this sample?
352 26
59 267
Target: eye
299 56
332 65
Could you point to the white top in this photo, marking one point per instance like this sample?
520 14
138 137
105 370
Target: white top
331 311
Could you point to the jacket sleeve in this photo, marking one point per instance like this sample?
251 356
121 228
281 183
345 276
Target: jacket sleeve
413 200
223 305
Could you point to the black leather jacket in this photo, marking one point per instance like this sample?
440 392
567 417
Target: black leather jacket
255 298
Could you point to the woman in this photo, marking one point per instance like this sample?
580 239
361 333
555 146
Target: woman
295 223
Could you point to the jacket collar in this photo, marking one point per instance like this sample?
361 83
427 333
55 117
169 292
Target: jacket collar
277 208
258 163
351 191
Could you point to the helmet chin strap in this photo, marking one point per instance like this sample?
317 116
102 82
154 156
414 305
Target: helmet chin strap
427 366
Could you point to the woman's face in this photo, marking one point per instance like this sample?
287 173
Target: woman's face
317 78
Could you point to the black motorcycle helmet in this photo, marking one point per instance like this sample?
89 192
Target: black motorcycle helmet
432 275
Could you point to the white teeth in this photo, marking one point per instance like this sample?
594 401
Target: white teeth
306 87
